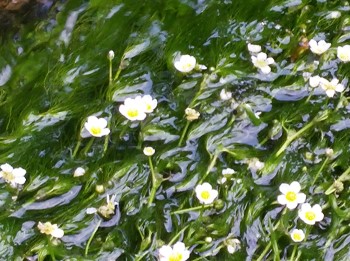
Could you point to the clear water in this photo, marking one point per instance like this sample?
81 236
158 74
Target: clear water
54 74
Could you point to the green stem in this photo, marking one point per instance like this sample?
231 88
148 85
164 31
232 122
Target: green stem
184 133
110 72
343 177
201 88
88 146
76 148
155 183
172 241
191 209
295 248
320 170
267 248
91 237
301 131
105 145
211 166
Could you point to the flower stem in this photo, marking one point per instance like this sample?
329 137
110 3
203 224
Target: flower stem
319 171
91 237
110 72
184 133
211 166
295 248
267 248
191 209
177 235
343 177
155 183
76 148
88 146
296 135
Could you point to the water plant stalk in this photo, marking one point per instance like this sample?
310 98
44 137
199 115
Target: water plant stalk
91 237
184 133
191 209
155 183
296 135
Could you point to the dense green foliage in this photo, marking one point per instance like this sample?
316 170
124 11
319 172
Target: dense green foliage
59 75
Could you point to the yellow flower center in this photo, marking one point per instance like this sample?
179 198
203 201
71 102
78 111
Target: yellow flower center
148 107
297 237
133 113
175 257
205 194
261 63
291 196
8 176
310 215
95 130
47 229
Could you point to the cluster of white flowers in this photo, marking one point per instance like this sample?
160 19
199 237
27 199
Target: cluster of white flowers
50 229
136 109
330 87
13 176
291 197
260 59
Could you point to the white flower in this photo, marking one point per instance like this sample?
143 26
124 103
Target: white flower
290 195
176 253
254 48
185 63
13 176
79 172
224 95
149 104
133 109
310 215
50 229
254 164
233 245
108 209
319 47
96 127
262 62
110 55
205 193
192 114
297 235
228 171
343 53
330 87
333 15
314 81
148 151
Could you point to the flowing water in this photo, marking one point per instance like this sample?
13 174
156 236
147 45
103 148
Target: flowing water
54 73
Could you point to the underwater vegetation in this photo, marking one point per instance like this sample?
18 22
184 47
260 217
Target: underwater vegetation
175 130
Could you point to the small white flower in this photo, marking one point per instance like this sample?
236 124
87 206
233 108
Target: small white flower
79 172
254 164
310 215
96 127
254 48
333 15
228 171
224 95
149 103
290 195
319 47
178 252
185 63
233 245
262 62
314 81
205 193
208 240
297 235
148 151
133 109
50 229
330 87
192 114
110 55
12 176
343 53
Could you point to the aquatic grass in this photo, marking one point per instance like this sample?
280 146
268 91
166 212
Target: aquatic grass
50 77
